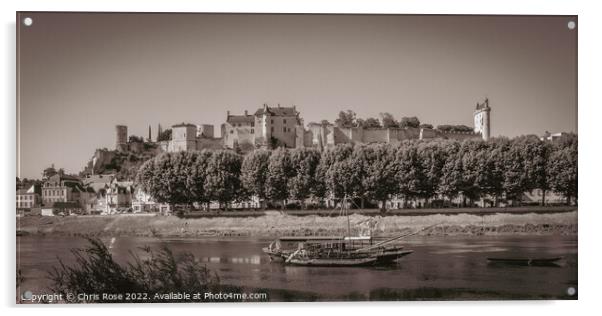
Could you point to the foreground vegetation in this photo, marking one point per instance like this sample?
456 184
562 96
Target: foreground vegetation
154 277
413 170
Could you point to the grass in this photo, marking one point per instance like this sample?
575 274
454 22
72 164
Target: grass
277 224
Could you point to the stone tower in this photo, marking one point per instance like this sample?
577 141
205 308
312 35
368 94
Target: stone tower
482 119
121 142
183 137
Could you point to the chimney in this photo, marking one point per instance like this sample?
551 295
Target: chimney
246 113
227 114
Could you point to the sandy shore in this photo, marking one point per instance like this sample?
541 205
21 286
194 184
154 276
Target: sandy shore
276 224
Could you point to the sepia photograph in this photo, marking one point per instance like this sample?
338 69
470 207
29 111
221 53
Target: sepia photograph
263 157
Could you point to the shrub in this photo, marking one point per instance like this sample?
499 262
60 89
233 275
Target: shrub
160 272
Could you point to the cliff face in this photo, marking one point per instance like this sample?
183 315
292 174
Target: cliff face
124 164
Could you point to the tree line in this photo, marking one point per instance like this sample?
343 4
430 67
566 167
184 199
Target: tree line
414 170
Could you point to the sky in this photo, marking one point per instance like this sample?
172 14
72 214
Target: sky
80 74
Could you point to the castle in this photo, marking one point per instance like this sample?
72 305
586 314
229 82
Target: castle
271 127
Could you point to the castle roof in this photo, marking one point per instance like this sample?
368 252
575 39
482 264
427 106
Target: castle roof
277 111
240 119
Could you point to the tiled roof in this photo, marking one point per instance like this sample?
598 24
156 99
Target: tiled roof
241 119
278 111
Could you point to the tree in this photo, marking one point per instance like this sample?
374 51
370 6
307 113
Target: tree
223 177
49 172
454 128
279 171
304 163
562 171
380 173
515 181
493 183
451 182
371 123
165 178
472 166
388 121
135 139
409 122
411 177
164 135
326 184
430 126
432 155
536 154
197 176
254 173
346 119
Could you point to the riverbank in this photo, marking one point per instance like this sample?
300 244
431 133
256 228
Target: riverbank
273 224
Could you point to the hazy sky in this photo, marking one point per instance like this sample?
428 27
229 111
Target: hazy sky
81 74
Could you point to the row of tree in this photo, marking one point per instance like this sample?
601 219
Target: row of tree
348 119
413 170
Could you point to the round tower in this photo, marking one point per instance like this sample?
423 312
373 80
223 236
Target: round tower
482 119
121 141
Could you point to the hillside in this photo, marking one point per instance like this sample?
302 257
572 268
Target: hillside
124 164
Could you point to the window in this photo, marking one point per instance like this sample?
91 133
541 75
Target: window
284 121
272 121
284 129
272 129
252 124
231 131
252 131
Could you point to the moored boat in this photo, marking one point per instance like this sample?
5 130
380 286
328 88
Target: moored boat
526 261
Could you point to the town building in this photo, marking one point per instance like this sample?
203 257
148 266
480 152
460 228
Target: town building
143 202
552 137
65 193
28 198
118 196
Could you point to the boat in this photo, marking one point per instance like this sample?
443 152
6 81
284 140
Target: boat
526 261
337 251
333 251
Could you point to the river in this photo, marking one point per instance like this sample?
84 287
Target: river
439 268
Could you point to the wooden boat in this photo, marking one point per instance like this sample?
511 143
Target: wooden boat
526 261
332 251
336 251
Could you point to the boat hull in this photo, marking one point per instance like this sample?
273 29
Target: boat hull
383 259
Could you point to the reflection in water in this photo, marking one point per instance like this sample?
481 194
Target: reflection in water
235 260
443 264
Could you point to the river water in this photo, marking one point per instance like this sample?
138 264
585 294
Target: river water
439 268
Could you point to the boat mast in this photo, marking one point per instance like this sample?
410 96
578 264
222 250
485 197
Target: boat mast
347 213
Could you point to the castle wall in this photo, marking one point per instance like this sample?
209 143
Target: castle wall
397 135
428 133
210 143
376 135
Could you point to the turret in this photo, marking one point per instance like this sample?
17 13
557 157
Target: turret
482 119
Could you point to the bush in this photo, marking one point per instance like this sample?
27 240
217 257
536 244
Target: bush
161 272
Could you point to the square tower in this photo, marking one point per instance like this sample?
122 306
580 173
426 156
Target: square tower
482 119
